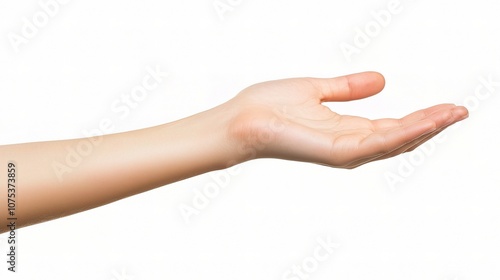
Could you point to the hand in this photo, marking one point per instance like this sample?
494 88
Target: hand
286 119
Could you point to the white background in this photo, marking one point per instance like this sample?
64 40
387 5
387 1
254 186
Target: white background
440 221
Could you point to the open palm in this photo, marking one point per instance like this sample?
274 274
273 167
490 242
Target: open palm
286 119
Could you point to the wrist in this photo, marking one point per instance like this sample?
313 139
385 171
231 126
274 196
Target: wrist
206 138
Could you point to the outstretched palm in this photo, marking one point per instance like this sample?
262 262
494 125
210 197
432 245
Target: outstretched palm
286 119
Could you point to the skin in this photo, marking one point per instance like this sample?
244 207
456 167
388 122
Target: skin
282 119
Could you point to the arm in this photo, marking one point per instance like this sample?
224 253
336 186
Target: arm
59 178
280 119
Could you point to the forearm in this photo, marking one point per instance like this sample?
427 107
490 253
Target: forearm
60 178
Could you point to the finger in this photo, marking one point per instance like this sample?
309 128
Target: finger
387 141
442 120
413 117
404 149
350 87
382 143
396 152
408 147
425 139
421 114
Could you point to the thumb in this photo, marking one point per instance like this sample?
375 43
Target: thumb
349 87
